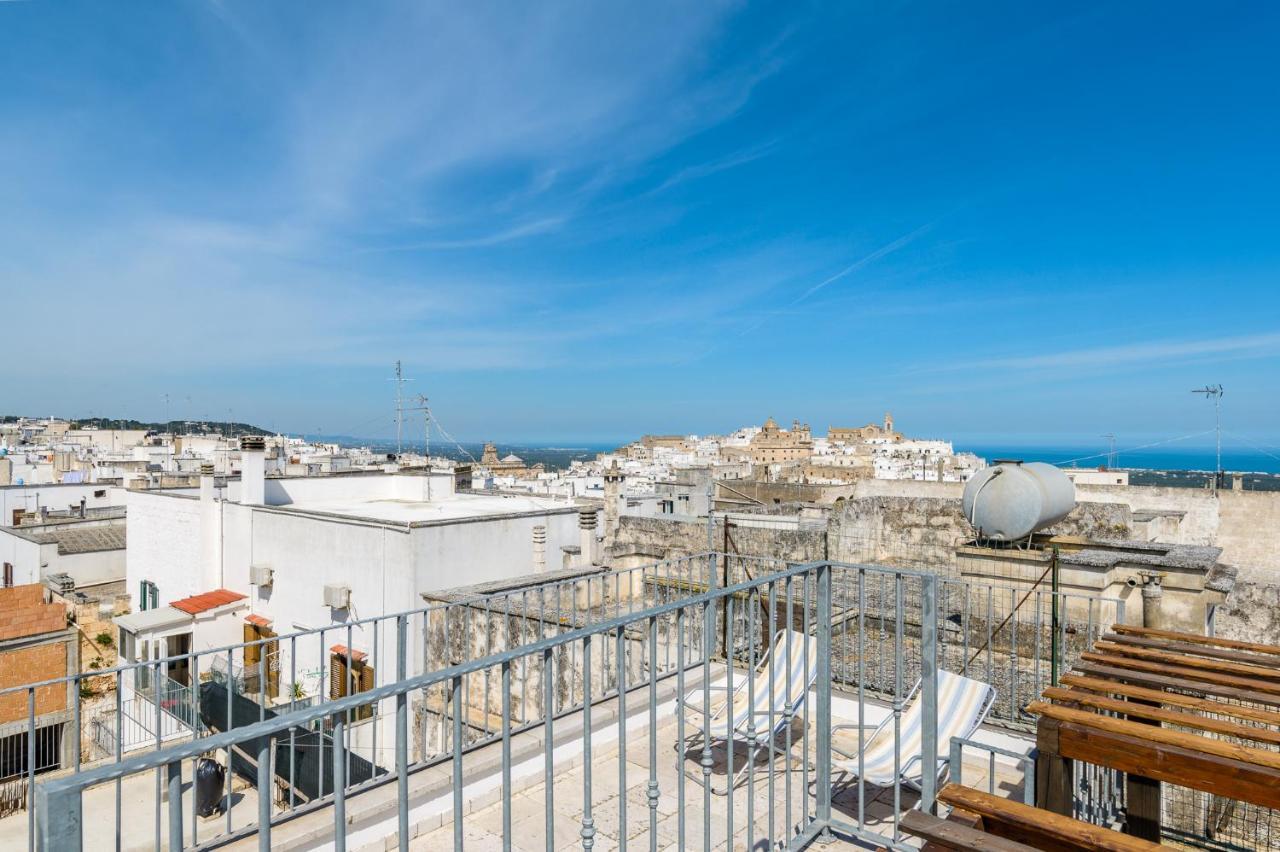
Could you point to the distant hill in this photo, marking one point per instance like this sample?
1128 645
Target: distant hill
177 427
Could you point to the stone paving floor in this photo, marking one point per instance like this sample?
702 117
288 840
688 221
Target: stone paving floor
770 819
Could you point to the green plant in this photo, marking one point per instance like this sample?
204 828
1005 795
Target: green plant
95 664
105 639
297 692
86 691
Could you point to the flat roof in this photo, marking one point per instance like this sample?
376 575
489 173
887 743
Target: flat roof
153 619
449 508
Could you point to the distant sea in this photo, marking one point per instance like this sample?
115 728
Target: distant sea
1156 458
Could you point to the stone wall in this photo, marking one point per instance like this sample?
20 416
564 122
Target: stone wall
924 531
658 538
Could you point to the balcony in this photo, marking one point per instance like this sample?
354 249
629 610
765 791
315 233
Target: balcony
504 708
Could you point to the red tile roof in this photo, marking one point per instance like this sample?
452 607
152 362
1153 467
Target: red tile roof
197 604
258 620
356 656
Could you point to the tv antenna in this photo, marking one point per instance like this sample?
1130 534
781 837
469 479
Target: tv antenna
1215 392
425 407
1111 452
399 380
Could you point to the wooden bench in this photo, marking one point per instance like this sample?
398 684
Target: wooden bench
1023 824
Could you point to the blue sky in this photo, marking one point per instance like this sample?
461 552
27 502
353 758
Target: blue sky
589 221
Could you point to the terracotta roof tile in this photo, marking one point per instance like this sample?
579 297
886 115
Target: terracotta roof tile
258 620
356 656
197 604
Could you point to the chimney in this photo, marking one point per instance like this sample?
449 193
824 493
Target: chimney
252 470
589 546
612 485
206 481
539 549
1152 598
82 511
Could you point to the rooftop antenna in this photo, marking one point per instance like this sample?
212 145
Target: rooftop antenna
1111 452
399 380
1215 392
425 407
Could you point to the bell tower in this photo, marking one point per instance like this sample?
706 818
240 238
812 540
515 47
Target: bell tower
888 423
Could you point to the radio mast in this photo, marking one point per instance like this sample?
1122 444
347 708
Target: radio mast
1214 392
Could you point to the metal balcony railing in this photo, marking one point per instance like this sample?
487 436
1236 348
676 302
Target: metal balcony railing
714 615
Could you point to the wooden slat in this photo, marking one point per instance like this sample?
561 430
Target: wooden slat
1166 682
1180 659
1190 648
1196 638
1038 828
1184 672
1182 739
1140 756
945 834
1205 705
1159 714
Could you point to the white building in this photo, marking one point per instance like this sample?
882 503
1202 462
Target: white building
328 551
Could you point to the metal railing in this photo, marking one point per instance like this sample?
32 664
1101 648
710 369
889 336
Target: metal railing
1025 767
876 647
798 805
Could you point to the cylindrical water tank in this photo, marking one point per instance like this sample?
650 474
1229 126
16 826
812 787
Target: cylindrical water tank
1009 501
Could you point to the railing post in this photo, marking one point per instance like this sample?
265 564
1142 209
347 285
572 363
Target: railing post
175 803
402 737
928 691
59 820
822 777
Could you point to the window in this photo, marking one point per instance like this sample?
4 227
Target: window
101 492
343 681
148 595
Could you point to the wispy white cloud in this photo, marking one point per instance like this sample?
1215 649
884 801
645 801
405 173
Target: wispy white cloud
866 260
1152 352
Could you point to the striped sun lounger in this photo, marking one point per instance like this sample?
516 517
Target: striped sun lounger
791 664
962 705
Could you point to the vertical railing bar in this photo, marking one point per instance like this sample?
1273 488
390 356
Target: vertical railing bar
730 717
773 711
402 735
119 754
339 782
862 696
455 707
823 770
31 773
620 661
653 734
155 696
264 789
293 732
789 716
682 743
195 721
548 765
350 716
805 662
588 823
230 724
506 754
375 714
708 626
929 690
897 703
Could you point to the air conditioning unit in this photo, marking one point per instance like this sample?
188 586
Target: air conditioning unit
337 596
261 575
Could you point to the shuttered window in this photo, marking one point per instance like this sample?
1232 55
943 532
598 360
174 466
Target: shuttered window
361 680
